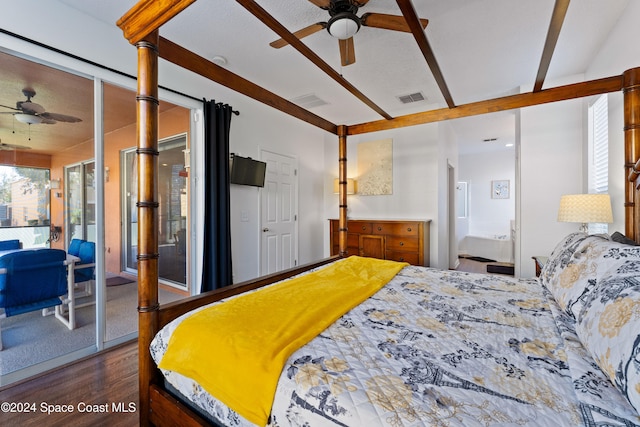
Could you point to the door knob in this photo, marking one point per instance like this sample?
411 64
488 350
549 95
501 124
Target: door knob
264 230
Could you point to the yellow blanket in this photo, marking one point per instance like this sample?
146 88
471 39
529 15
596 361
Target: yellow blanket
236 350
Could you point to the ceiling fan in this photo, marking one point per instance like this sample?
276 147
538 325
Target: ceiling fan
31 113
343 24
12 147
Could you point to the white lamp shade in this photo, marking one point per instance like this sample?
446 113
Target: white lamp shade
351 186
343 28
585 208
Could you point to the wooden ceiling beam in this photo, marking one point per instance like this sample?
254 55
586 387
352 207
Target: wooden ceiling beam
147 16
561 93
410 15
557 19
276 26
182 57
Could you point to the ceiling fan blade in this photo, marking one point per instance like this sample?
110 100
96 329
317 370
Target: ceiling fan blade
324 4
359 3
59 118
388 22
347 52
11 108
306 31
4 146
30 107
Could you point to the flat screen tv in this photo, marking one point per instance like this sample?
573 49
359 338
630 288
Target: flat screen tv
246 171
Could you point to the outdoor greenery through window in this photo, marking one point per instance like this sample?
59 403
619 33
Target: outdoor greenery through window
24 202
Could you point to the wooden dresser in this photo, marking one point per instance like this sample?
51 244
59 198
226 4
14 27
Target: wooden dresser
385 239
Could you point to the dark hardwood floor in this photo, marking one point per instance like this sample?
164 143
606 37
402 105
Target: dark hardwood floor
101 390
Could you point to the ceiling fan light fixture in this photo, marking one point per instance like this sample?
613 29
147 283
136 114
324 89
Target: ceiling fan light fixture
29 119
343 25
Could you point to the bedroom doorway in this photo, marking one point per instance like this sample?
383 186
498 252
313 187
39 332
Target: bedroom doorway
279 213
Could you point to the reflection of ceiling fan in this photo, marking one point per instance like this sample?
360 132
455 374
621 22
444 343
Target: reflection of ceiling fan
344 24
12 147
32 113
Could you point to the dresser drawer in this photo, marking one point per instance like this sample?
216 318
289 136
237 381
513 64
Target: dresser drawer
410 257
359 227
404 243
397 240
396 229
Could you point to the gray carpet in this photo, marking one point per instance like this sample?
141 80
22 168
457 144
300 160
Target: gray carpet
30 338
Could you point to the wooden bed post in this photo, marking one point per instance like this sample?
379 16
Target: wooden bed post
631 91
342 179
147 156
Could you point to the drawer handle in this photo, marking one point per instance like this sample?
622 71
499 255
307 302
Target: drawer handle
379 228
364 227
401 243
401 258
409 229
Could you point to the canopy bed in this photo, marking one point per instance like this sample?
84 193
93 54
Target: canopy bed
532 378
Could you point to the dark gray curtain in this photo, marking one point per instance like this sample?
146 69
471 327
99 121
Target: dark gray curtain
216 267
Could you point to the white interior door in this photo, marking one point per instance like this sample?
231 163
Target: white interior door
279 211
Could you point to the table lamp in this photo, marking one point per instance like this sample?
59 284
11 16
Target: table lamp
585 209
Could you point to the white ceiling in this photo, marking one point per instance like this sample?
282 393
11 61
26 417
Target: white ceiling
485 49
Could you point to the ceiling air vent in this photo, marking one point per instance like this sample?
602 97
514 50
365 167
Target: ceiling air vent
412 97
309 101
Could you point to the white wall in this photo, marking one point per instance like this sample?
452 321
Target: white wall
551 164
415 180
258 128
620 51
487 216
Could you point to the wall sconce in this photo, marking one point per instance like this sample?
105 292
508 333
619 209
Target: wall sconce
55 184
585 208
351 186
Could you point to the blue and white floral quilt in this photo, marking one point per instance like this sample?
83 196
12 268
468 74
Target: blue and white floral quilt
439 348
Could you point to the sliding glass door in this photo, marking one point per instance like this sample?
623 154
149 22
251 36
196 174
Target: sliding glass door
81 201
172 212
77 180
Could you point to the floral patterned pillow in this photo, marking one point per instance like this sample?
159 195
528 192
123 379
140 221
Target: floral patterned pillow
560 257
572 269
608 323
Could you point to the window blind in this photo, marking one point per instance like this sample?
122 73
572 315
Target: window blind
599 153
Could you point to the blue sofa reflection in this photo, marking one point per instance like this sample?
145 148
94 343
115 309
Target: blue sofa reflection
35 279
84 268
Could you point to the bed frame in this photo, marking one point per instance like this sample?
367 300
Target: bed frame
141 28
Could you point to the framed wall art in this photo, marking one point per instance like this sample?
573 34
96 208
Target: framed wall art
375 168
500 189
